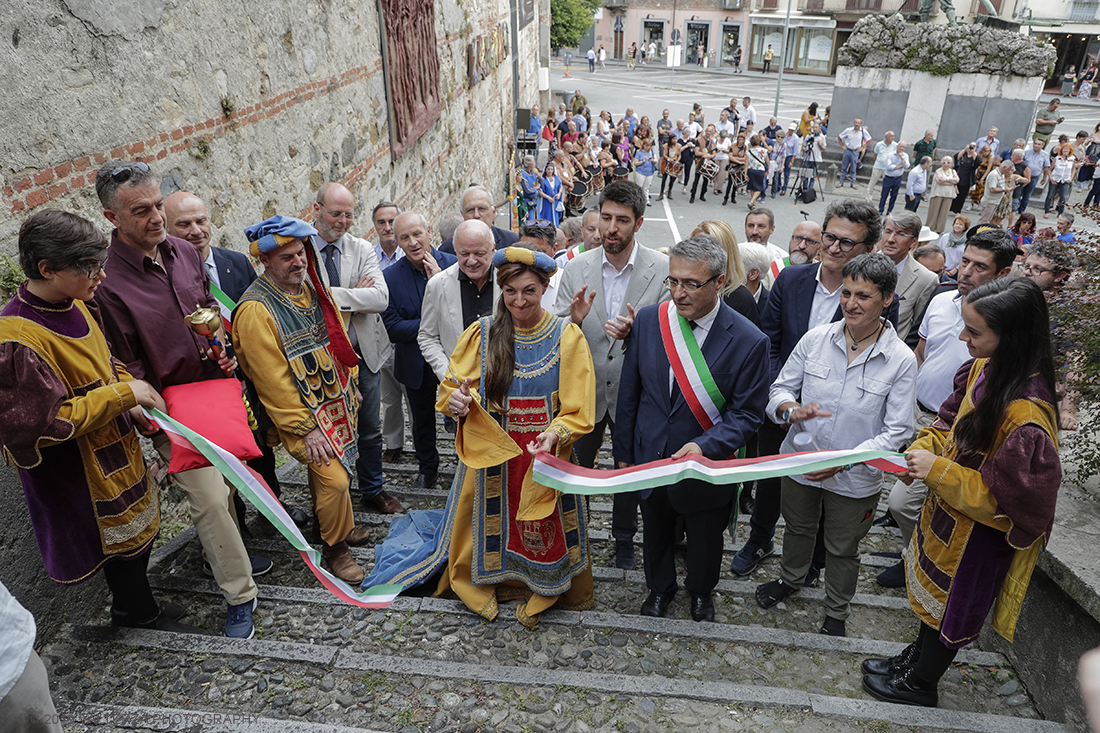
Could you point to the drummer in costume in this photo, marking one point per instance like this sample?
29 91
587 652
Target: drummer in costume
705 151
738 167
663 411
670 167
518 381
292 345
687 155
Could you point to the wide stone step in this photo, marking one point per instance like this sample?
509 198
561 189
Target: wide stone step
387 690
139 717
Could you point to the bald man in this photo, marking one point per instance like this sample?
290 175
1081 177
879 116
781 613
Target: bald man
187 219
477 203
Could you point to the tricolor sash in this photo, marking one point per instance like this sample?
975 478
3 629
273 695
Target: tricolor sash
574 252
225 305
779 265
690 368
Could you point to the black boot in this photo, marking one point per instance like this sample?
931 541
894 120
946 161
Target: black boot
903 688
908 658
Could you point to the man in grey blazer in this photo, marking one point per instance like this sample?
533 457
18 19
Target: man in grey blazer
916 282
461 294
600 291
359 290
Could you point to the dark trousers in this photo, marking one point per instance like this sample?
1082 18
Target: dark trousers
368 466
687 169
890 186
787 171
1025 195
767 66
1093 196
731 188
624 506
960 200
129 583
667 180
422 410
704 544
935 657
265 466
695 185
913 203
767 508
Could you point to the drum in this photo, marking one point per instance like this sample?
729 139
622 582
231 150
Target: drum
575 199
620 173
597 180
675 168
708 169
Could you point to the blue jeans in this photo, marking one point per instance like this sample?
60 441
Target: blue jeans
1025 196
848 165
369 464
787 171
890 186
1063 193
809 172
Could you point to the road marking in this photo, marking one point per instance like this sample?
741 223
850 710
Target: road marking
671 221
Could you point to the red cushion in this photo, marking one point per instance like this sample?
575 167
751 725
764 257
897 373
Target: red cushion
213 409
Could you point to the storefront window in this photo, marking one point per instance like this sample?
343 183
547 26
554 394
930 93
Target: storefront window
815 49
762 37
698 34
731 39
653 31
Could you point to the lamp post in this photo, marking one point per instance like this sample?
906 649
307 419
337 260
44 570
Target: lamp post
782 58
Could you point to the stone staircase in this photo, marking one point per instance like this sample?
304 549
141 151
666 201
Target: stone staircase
427 664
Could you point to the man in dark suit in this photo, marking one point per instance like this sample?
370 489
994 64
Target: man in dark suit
655 420
477 203
804 297
187 218
407 280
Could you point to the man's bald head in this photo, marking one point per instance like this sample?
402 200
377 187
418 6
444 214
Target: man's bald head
333 211
474 243
477 203
188 219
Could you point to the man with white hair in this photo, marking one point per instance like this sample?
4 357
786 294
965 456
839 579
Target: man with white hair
477 203
757 260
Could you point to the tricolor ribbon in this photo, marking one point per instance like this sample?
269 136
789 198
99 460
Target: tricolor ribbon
779 265
690 368
569 478
579 249
253 488
225 304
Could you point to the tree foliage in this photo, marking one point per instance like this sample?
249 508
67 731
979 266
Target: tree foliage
570 20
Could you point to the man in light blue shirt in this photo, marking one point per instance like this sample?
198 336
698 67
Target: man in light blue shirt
917 184
853 141
991 140
1038 161
882 149
896 163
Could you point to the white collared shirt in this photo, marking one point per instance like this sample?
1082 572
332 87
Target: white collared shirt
824 305
212 268
944 353
616 282
871 400
703 324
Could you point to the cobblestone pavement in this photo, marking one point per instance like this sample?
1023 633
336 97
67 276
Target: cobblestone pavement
428 664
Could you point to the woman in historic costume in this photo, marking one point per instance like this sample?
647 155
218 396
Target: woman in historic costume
529 189
517 381
986 163
992 469
550 195
67 417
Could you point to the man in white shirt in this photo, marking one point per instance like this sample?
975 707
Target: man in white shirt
883 149
896 163
747 114
360 292
917 184
853 141
989 254
600 291
692 128
725 123
392 392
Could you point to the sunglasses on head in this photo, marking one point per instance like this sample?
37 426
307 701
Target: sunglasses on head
126 172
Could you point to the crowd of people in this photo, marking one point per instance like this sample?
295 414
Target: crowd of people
551 338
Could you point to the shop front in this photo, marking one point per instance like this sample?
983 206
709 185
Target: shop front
731 39
810 46
697 41
653 31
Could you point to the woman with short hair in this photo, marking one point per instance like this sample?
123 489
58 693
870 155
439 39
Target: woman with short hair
941 194
992 469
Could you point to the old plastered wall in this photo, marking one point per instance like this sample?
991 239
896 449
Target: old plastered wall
87 81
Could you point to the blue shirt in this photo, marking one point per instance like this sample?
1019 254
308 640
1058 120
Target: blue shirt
917 183
892 160
993 146
1036 161
384 261
536 125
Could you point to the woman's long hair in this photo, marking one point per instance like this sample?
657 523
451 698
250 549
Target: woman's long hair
501 362
1015 310
735 266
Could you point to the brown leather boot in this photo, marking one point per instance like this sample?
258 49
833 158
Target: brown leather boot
342 564
357 537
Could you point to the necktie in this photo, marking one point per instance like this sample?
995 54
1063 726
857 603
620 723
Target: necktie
210 270
331 267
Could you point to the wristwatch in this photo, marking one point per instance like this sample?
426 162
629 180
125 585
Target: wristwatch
786 416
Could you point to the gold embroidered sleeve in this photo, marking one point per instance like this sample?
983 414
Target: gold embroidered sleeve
576 390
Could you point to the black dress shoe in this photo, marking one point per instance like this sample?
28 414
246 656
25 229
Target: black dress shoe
702 607
833 627
424 481
893 576
746 503
908 658
886 520
902 688
657 603
692 199
624 554
299 516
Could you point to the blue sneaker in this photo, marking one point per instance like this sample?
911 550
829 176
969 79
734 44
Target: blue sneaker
238 620
745 561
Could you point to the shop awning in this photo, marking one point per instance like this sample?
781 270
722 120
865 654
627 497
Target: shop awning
797 19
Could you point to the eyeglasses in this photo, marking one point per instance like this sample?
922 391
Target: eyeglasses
804 240
845 244
126 172
349 215
91 270
1036 270
689 286
896 233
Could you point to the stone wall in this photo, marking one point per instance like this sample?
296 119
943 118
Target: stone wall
251 106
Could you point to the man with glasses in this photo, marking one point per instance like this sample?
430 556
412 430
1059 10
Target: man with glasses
1049 265
916 284
151 278
388 253
477 203
656 420
805 244
803 297
989 254
359 290
600 291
